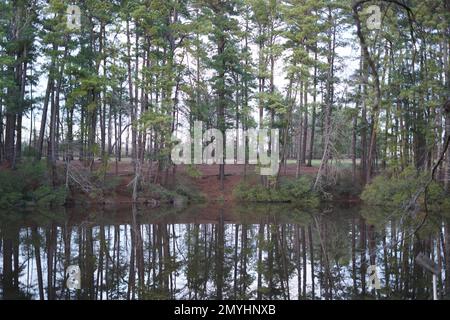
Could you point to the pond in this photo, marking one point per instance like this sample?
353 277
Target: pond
220 251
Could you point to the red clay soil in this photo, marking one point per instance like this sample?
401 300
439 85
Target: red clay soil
208 183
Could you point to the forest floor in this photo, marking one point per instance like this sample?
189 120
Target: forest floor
206 179
209 183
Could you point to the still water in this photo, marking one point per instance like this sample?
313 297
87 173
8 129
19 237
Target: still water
220 252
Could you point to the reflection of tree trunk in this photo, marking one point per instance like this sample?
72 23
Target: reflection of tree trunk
173 275
220 236
154 257
311 258
138 246
166 259
160 257
208 254
321 285
37 254
7 268
16 260
243 269
89 263
131 277
116 260
328 274
386 264
51 247
304 261
259 265
270 261
405 269
355 286
418 279
447 257
439 249
196 260
236 242
372 244
81 262
280 253
190 283
297 254
67 237
108 260
165 272
149 252
394 240
327 282
29 258
99 282
362 249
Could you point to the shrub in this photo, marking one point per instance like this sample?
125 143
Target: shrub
298 191
29 184
193 171
191 193
398 189
158 192
110 184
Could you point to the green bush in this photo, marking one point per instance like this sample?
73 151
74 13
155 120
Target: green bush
110 184
396 190
158 192
191 193
193 171
298 191
29 184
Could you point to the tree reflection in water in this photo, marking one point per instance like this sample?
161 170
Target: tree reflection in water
234 252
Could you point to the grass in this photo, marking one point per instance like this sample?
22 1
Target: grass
344 163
